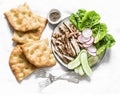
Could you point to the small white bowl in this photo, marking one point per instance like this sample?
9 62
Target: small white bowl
53 11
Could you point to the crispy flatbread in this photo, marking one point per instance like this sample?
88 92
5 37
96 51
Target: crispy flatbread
22 19
39 53
33 35
19 64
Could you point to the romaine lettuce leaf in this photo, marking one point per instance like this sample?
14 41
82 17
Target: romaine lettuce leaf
90 19
81 13
107 42
76 19
73 19
99 31
83 19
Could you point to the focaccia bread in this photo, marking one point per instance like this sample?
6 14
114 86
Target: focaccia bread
22 19
39 53
33 35
19 64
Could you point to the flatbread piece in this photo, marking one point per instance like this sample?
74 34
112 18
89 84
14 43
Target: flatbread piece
22 19
39 53
33 35
19 64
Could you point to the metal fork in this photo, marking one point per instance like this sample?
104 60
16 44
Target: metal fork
70 76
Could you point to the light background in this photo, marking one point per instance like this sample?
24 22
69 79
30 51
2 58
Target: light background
105 79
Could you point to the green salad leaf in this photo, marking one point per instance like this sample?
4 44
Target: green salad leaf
90 19
81 13
99 31
73 19
83 19
76 19
107 42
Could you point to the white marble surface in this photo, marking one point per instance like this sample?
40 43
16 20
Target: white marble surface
105 79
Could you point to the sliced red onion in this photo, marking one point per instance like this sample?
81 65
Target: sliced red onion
86 45
92 53
80 39
87 33
90 41
85 39
92 49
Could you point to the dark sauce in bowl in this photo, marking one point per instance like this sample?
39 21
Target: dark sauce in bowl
54 16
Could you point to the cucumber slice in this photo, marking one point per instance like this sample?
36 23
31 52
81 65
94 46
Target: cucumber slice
75 63
84 62
79 70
